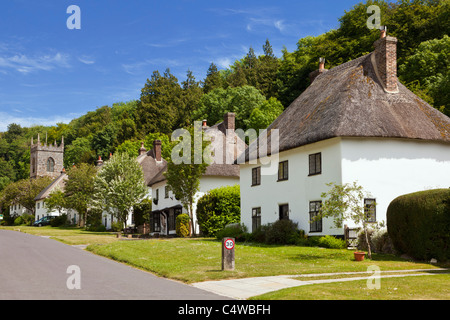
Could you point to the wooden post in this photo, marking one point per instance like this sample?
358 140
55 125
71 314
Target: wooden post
346 235
228 254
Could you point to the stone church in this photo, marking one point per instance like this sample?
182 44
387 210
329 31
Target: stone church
46 159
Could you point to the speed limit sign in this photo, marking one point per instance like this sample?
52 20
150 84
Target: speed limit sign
229 244
228 254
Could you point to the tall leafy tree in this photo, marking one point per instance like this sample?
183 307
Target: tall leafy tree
427 72
240 100
161 100
79 189
213 79
192 92
184 178
23 192
119 186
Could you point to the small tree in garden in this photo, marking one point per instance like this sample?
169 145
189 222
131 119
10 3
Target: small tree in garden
183 178
346 202
119 186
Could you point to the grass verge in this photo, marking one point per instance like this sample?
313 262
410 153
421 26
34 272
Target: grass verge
426 287
69 235
196 260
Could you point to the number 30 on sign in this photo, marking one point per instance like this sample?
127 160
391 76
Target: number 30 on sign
229 244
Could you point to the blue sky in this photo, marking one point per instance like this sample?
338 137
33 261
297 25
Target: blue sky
50 74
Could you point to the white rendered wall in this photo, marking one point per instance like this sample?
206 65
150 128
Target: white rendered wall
297 191
388 168
206 183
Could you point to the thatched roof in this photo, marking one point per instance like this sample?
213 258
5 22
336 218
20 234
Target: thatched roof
150 166
349 101
59 182
229 144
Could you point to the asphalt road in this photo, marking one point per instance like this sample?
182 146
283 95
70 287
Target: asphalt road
38 268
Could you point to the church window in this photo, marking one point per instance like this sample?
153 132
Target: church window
50 165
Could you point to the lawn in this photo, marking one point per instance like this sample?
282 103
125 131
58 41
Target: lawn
70 236
195 260
427 287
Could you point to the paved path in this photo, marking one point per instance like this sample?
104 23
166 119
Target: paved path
33 267
250 287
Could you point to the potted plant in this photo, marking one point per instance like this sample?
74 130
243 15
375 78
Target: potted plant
359 256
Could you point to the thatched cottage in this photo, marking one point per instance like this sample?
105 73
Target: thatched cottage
355 123
220 173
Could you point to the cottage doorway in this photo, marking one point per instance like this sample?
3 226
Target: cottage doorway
283 210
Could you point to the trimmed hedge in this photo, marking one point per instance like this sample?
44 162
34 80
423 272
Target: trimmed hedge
219 208
419 224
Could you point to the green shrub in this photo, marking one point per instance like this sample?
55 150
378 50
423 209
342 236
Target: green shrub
19 221
59 221
182 225
117 226
419 224
218 208
379 239
331 242
282 232
28 219
235 230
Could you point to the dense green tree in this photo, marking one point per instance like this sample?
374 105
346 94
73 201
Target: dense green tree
213 79
427 72
23 192
104 141
261 117
192 92
79 151
240 100
79 189
161 100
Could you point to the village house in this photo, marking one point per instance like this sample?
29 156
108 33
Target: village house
220 173
354 123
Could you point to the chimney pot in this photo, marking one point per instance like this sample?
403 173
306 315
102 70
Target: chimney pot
99 161
321 63
383 32
142 150
313 75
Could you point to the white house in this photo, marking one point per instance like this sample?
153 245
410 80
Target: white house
355 123
41 209
166 207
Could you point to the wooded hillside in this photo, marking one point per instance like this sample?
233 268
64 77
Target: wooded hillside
257 88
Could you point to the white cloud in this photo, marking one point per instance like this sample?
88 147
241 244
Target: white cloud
256 23
86 60
223 63
26 64
30 121
141 67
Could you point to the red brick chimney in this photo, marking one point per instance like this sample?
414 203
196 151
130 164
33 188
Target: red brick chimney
386 60
157 149
229 121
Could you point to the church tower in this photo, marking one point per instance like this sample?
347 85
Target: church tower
46 160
